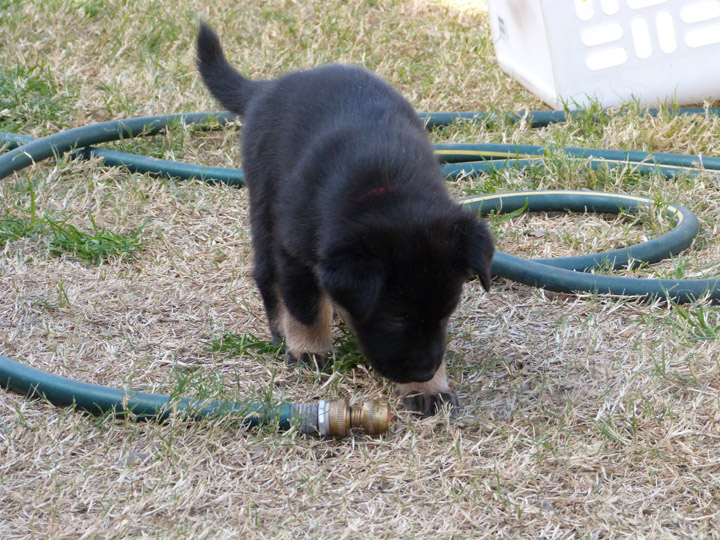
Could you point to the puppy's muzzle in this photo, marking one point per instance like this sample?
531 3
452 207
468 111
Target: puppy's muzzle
410 375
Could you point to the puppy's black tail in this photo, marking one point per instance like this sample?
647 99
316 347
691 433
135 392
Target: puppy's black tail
225 83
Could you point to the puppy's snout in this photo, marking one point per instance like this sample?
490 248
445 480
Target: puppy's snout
424 376
400 372
420 372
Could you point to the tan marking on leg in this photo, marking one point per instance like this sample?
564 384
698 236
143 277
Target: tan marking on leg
437 385
315 339
276 322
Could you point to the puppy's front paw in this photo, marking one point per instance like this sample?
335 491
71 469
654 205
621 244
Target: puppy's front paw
277 340
320 362
428 397
429 404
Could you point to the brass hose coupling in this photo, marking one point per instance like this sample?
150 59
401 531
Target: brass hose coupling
337 418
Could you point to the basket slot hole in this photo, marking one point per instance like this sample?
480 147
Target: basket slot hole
584 9
700 11
666 32
702 37
609 7
642 4
602 33
641 37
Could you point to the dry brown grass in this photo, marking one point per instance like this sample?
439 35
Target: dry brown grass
584 417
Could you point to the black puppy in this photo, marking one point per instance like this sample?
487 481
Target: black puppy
349 211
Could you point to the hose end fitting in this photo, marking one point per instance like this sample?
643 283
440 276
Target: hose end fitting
337 418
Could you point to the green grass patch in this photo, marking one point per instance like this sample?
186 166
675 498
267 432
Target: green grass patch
170 144
495 219
197 383
207 385
231 345
696 322
13 228
347 351
30 97
95 246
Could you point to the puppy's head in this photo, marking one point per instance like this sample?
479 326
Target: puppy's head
399 282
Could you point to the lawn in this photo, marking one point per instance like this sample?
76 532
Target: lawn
584 416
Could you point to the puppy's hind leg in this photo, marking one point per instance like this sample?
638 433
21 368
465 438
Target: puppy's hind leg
264 270
265 279
426 398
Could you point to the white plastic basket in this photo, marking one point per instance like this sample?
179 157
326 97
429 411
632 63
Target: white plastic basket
569 52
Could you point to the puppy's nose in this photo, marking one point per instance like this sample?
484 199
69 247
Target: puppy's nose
423 376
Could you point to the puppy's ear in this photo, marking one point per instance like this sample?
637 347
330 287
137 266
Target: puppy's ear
480 253
353 282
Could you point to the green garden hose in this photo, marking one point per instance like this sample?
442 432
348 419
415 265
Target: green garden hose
458 159
567 274
541 118
82 138
325 418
